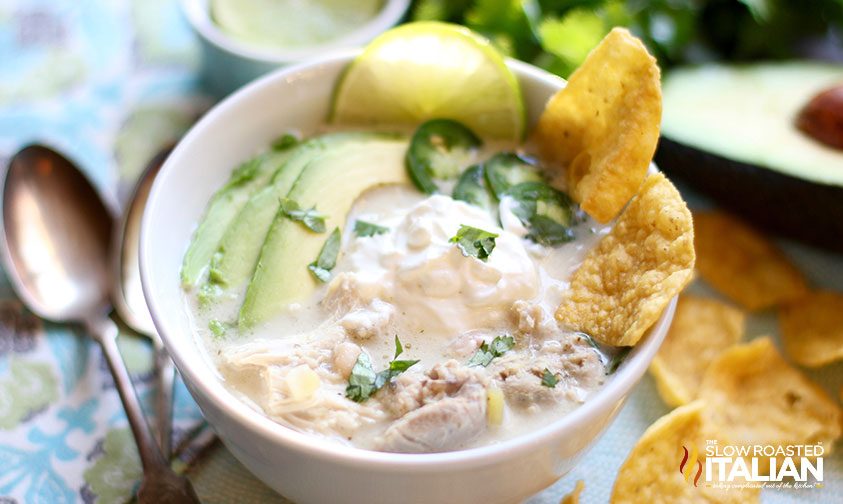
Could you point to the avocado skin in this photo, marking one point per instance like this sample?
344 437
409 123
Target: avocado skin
772 201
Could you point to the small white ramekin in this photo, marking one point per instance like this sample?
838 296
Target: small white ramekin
305 468
227 63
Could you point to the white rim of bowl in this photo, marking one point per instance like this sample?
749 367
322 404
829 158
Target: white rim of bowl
615 388
199 16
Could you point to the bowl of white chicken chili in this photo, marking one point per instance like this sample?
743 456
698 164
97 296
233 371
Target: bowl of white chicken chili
366 316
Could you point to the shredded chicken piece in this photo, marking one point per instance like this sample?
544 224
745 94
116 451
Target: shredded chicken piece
326 411
413 390
346 293
368 322
440 425
437 410
344 356
569 357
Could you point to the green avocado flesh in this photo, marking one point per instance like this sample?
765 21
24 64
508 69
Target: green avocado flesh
331 182
729 133
223 209
746 114
237 253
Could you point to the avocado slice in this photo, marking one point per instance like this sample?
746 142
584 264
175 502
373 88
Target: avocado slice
223 208
331 183
238 250
729 131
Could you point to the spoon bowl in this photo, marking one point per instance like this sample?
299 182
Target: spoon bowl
56 242
57 271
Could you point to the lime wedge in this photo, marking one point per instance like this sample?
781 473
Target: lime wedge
428 70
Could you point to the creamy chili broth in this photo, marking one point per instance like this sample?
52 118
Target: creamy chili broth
413 283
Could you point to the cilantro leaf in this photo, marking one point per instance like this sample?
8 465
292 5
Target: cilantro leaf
398 348
218 329
361 381
327 259
474 242
572 37
245 172
488 351
364 229
284 142
617 359
311 219
549 379
364 381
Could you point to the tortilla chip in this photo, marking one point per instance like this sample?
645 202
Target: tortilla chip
602 128
574 496
628 279
755 397
654 471
812 328
743 265
702 328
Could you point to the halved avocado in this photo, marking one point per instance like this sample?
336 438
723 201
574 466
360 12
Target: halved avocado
730 132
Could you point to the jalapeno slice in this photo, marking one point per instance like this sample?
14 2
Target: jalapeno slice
438 151
472 189
508 169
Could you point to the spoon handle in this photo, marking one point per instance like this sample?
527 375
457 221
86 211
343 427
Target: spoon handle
165 377
104 331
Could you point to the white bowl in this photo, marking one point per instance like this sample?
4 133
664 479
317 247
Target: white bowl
227 63
304 468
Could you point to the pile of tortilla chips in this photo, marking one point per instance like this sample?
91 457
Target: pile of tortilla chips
599 134
745 393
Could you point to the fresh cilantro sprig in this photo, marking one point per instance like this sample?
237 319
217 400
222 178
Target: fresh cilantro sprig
488 351
218 328
327 259
311 219
474 242
549 379
364 381
365 229
285 141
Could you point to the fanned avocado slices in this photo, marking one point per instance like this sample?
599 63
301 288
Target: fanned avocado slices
330 184
224 207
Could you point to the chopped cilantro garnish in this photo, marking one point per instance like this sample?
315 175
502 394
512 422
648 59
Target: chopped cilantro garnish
364 229
218 329
284 142
327 259
311 219
245 172
488 351
549 379
208 293
363 381
474 242
617 359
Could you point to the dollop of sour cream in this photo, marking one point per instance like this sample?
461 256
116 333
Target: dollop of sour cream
416 268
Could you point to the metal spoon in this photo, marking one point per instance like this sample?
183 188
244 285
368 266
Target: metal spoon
55 252
129 301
